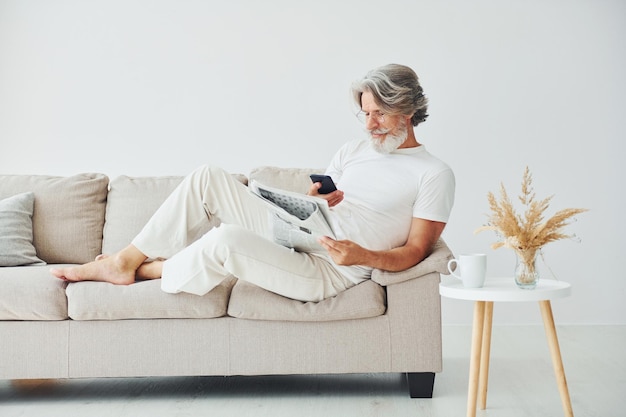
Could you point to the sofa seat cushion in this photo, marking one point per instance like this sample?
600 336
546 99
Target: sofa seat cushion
248 301
31 293
143 300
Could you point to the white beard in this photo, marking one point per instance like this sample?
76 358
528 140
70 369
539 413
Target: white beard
390 142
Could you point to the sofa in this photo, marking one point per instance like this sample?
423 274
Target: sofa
52 329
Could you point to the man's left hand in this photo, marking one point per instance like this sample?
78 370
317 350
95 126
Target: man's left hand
344 252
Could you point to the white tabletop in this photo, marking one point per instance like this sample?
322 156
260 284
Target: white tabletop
505 289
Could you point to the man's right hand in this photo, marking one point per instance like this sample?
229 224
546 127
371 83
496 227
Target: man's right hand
333 198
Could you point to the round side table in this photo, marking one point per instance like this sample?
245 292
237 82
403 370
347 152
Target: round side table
505 290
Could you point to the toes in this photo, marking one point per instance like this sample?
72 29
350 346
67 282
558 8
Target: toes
58 273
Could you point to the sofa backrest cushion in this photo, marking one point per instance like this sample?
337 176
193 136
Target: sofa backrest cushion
68 215
131 202
292 179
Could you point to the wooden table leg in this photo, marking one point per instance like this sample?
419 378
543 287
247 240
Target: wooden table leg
484 357
555 352
477 336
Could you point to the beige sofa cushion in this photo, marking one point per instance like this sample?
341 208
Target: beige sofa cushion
131 202
68 215
248 301
143 300
292 179
31 293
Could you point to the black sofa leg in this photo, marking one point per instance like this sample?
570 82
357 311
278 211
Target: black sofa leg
421 384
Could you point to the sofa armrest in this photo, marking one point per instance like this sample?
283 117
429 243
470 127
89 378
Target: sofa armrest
437 261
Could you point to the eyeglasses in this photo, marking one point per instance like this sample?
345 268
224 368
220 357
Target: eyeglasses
376 115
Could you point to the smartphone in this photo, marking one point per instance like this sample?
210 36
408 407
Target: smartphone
328 186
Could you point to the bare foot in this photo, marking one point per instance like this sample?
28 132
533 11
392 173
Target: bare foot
150 270
114 269
147 270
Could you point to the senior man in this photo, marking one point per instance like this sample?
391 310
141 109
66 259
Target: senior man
392 202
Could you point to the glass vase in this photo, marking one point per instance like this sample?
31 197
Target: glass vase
526 274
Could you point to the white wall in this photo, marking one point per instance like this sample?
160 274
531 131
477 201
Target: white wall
161 86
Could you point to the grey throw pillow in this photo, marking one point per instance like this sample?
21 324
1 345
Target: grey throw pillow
16 231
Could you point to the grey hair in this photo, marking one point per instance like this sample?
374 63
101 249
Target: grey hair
396 90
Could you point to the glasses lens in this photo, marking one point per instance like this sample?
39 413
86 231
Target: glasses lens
376 116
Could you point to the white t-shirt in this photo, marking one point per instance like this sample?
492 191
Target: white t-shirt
384 192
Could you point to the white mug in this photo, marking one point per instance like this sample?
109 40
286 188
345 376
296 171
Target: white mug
473 268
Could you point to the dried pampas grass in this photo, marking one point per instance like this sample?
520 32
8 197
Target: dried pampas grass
528 233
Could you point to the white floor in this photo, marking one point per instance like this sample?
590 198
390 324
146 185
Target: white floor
521 383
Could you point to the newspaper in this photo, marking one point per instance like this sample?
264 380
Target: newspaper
298 219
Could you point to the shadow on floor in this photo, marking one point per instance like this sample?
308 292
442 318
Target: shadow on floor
200 386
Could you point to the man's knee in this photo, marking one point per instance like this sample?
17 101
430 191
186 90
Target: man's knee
211 175
208 170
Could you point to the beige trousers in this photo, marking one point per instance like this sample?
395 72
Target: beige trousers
199 255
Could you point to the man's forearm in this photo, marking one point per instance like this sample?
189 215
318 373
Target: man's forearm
397 259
